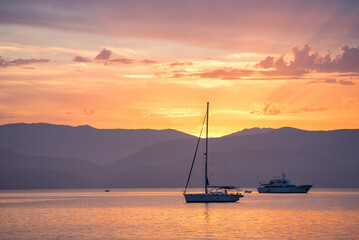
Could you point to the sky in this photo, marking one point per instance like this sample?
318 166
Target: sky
155 64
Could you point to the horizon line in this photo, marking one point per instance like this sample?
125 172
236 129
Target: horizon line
163 129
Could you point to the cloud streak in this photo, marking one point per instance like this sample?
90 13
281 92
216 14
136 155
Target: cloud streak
106 57
178 21
175 64
148 61
20 61
269 108
227 73
335 81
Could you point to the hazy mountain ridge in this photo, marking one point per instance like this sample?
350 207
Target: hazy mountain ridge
21 178
100 146
324 158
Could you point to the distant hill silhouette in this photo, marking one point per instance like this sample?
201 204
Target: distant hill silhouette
322 158
100 146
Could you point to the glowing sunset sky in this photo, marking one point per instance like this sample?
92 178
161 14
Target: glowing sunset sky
155 64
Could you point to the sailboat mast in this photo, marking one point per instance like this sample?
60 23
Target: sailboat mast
205 168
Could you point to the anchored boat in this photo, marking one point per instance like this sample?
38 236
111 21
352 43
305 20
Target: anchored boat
282 185
211 193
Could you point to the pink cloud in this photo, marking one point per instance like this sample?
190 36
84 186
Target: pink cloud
148 61
175 64
226 73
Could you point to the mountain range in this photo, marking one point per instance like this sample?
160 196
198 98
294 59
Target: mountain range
58 156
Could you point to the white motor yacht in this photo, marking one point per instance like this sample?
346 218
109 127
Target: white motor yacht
282 185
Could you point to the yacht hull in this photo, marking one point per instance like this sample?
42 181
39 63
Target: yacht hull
211 197
299 189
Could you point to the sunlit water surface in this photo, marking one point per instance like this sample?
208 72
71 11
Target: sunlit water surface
163 214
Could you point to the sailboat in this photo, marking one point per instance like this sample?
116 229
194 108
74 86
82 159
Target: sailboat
211 193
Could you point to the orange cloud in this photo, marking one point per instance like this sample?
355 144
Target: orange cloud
268 108
175 64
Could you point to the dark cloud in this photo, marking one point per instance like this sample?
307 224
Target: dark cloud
306 61
330 80
334 81
104 55
81 59
227 73
349 60
346 82
349 75
16 62
267 63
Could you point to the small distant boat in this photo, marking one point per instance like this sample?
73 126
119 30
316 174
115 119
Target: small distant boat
211 193
107 190
247 191
282 185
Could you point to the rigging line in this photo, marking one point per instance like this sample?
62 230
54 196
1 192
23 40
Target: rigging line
195 153
224 165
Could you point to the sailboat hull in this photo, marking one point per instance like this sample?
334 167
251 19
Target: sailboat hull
211 197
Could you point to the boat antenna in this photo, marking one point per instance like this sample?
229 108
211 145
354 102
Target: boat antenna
195 154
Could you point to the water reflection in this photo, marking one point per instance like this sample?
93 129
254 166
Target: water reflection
163 214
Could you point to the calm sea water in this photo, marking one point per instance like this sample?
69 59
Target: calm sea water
163 214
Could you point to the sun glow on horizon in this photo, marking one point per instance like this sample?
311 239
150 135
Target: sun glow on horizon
112 75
